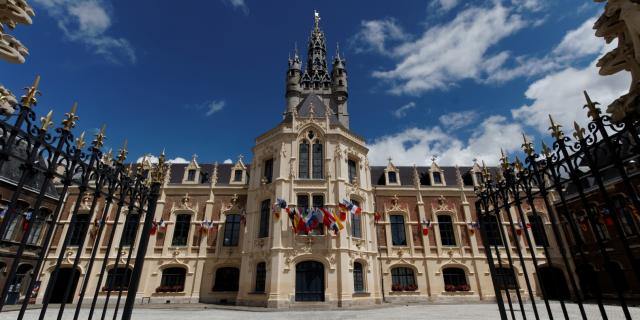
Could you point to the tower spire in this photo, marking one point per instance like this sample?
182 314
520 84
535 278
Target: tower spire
316 20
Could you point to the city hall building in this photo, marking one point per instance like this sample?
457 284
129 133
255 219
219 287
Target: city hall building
218 239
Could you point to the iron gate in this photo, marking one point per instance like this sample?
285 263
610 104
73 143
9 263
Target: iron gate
567 218
48 175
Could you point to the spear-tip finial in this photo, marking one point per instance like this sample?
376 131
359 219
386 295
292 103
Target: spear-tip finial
122 154
100 137
29 99
504 160
316 18
580 132
555 129
46 121
545 150
518 164
527 146
70 118
80 141
593 111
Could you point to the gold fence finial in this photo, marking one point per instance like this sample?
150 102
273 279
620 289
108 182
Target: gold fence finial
546 152
580 132
100 137
504 160
518 164
555 129
70 118
80 141
46 121
527 146
122 154
593 111
29 99
159 171
485 171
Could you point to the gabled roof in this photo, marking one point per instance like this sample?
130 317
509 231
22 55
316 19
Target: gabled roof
206 173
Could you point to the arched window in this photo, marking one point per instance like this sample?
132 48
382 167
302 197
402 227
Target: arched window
398 235
78 229
231 230
537 229
353 172
403 279
356 222
261 276
173 279
264 219
227 279
130 228
455 279
318 161
447 235
492 230
23 274
358 277
118 279
181 230
506 278
303 160
624 209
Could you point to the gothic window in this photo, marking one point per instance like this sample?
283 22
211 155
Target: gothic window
358 277
130 228
181 230
39 225
237 175
356 222
600 227
303 166
303 201
227 279
317 161
78 229
353 173
173 278
318 201
191 175
264 219
455 279
268 171
402 278
261 277
537 229
231 230
393 177
11 226
447 235
492 229
506 278
437 178
117 279
398 235
625 215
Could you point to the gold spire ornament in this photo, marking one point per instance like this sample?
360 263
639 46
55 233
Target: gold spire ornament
580 132
316 18
70 118
485 171
527 146
546 152
504 160
594 112
555 129
518 164
122 153
80 142
46 121
29 99
100 137
159 171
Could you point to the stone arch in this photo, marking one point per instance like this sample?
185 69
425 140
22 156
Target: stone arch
175 264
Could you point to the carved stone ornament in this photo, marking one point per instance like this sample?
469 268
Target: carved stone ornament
234 203
442 204
395 205
85 205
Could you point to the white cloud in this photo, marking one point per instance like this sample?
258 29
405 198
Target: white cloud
154 159
415 144
402 111
444 5
374 35
457 120
214 106
87 22
239 5
228 161
450 52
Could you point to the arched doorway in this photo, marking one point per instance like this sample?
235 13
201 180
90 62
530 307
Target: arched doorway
309 281
554 283
20 282
588 280
59 287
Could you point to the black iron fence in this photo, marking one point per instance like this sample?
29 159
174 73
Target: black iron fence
46 175
566 220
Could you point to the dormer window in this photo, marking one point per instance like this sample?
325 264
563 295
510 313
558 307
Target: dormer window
393 178
479 179
192 171
237 175
437 178
191 175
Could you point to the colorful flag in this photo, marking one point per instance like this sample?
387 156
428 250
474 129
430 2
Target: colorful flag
27 217
377 217
343 211
154 227
162 227
339 224
607 216
426 224
351 207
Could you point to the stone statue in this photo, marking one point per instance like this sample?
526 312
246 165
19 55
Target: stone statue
7 101
12 13
621 20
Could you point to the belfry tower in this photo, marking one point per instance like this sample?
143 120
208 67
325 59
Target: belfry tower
315 78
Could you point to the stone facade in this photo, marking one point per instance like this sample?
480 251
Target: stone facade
224 244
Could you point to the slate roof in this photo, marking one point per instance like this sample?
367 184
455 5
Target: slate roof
406 175
206 171
11 172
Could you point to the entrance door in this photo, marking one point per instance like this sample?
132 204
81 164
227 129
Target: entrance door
554 283
309 281
64 276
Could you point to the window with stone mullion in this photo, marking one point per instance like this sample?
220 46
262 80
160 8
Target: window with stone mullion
358 277
398 234
447 235
231 230
303 161
317 161
264 219
181 230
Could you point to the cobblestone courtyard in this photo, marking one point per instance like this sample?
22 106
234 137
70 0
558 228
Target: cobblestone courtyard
431 311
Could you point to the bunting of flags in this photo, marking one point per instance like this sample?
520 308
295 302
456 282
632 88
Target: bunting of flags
472 227
278 206
426 224
158 227
206 226
377 217
351 207
27 218
606 216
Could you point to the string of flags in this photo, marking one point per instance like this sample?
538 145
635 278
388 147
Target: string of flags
426 224
160 227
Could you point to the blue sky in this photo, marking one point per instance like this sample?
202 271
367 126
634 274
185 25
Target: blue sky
457 79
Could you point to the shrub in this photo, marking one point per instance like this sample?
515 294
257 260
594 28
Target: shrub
463 287
411 287
396 287
450 288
